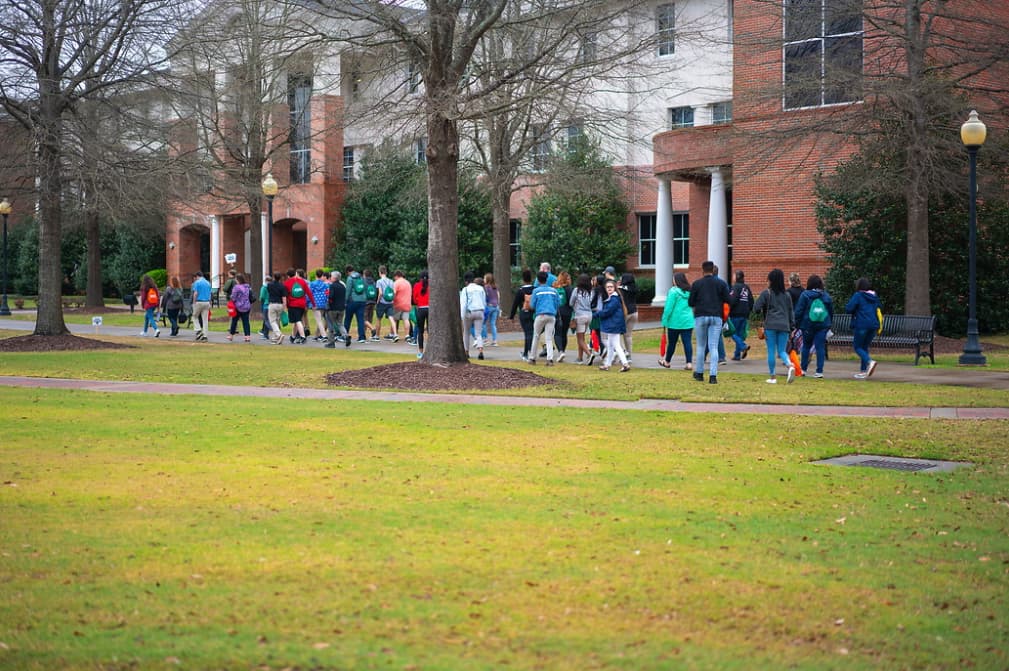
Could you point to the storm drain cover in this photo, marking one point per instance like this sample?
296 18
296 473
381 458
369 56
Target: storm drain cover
894 463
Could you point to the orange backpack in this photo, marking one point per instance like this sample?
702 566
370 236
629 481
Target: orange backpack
152 297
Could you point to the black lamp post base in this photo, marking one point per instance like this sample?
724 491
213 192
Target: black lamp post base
972 359
972 349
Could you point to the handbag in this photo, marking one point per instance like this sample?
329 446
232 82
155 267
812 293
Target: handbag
728 329
284 319
760 333
232 310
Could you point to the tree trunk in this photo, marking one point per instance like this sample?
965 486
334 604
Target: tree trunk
445 345
50 302
256 243
500 200
916 287
93 235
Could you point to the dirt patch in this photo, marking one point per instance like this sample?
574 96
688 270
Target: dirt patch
60 343
424 377
955 346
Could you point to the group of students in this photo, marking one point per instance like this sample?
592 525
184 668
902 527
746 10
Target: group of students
600 311
792 318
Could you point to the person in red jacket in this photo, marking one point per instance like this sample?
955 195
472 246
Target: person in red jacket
299 296
421 298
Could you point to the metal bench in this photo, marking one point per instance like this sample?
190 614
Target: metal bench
915 332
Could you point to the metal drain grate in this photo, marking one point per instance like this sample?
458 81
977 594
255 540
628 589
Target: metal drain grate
894 463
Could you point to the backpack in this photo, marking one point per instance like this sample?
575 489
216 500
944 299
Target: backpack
297 291
371 292
817 311
152 297
358 285
388 294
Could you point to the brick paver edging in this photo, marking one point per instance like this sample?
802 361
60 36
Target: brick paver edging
654 405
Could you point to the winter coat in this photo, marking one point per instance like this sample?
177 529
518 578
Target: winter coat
862 308
678 314
777 309
802 310
611 316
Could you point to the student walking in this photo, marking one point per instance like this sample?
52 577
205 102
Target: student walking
421 302
241 296
612 325
678 320
522 305
150 298
814 315
707 295
779 320
172 303
862 307
581 308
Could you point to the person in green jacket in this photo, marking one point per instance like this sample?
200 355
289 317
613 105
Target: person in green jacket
678 320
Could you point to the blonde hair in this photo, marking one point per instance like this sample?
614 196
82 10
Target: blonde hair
793 280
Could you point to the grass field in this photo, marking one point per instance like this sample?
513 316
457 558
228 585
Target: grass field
149 532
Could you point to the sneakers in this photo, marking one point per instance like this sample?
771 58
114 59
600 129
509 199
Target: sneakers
713 379
493 344
791 375
347 340
388 336
157 333
699 377
663 363
872 368
411 341
772 380
525 359
230 337
531 361
688 366
375 338
721 362
592 357
248 338
361 341
624 369
395 338
745 352
817 375
560 357
861 376
550 362
604 367
480 355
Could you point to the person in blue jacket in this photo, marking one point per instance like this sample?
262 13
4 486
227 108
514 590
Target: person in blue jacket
814 319
864 324
612 325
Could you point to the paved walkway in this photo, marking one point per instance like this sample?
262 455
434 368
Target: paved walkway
508 351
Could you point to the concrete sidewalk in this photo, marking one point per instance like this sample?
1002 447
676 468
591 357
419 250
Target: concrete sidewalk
653 405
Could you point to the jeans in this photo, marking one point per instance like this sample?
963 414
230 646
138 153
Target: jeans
173 318
684 335
614 347
777 341
490 322
860 342
244 317
355 309
813 340
149 319
544 325
738 323
708 331
472 322
334 323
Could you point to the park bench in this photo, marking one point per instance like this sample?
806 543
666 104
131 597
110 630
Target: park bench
915 332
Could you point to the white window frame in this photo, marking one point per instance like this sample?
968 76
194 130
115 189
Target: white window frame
420 151
820 42
725 108
672 113
665 29
348 166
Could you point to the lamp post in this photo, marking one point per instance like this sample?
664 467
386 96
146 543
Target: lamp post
5 210
269 190
973 134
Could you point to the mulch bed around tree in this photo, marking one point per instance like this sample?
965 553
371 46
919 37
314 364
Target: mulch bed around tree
60 343
425 377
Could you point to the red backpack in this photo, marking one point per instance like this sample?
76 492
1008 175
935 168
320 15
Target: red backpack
152 297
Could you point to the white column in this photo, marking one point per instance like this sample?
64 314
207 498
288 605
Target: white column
663 243
718 223
266 243
215 252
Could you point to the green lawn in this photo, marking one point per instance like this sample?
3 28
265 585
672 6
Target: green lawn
152 532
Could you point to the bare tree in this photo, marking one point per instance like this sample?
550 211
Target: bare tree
893 73
442 41
53 55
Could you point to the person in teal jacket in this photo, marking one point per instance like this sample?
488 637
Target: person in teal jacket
678 320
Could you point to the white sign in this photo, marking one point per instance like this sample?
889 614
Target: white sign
230 258
96 321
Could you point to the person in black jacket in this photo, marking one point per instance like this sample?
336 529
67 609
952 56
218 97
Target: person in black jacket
739 315
334 311
525 315
707 295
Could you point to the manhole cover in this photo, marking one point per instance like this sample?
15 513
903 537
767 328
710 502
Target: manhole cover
894 463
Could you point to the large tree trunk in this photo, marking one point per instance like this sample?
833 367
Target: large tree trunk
50 303
916 288
93 235
445 345
256 243
917 276
500 201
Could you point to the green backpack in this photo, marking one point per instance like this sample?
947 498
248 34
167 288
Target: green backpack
388 294
371 292
817 311
358 286
297 291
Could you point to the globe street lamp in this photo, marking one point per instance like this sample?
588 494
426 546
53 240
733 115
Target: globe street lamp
5 210
973 134
269 190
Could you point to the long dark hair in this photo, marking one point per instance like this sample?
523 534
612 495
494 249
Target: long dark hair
863 284
776 278
424 278
584 283
680 279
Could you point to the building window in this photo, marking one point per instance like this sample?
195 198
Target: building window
540 153
514 242
646 239
665 29
299 95
721 113
823 52
348 164
575 137
420 151
681 117
413 77
588 48
681 239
